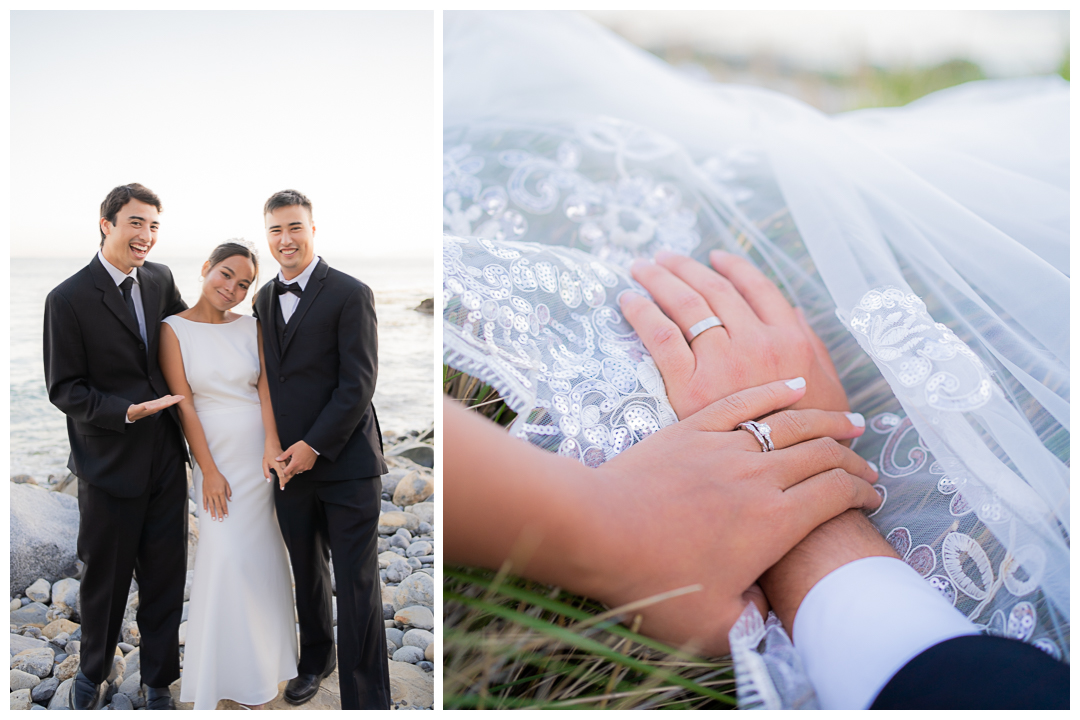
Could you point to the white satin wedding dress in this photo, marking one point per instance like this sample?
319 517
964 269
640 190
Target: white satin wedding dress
241 639
928 246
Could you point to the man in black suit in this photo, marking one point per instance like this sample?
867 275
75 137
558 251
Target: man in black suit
101 370
320 342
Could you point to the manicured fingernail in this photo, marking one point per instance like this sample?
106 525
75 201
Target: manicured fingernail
872 466
856 419
796 384
630 296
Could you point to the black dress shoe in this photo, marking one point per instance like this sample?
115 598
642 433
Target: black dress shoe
159 699
304 686
84 694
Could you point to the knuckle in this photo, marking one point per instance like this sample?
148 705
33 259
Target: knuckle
687 303
795 423
737 407
830 450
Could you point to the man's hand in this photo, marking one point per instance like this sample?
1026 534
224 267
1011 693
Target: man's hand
699 504
148 408
299 458
270 460
763 338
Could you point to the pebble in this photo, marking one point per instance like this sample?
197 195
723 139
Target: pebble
43 692
15 604
425 528
20 699
125 648
416 616
426 665
399 542
60 657
36 661
121 701
24 601
67 668
40 591
59 627
32 613
425 511
388 612
419 638
408 654
398 571
23 680
418 549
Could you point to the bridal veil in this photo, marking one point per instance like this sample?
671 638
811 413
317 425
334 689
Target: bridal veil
927 244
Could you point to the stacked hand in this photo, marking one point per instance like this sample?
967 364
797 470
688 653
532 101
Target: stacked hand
762 338
150 407
288 464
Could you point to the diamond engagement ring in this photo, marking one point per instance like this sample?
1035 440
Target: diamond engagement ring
761 431
700 327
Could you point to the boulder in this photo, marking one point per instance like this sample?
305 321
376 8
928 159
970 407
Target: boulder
38 661
390 522
419 638
414 488
20 699
423 510
44 534
416 616
417 589
419 453
40 591
21 680
409 685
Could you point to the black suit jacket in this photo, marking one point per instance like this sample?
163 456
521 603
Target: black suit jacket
96 366
322 374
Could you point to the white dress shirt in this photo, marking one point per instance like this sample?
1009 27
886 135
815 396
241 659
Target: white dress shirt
863 622
288 300
136 294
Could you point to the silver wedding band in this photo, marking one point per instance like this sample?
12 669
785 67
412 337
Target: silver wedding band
761 431
700 327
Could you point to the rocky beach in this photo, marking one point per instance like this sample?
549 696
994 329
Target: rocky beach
45 575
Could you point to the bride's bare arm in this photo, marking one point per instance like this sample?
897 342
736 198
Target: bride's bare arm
216 491
272 448
697 505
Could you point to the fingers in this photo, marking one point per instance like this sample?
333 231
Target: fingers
823 497
724 415
795 464
680 302
756 290
284 457
718 292
791 427
661 337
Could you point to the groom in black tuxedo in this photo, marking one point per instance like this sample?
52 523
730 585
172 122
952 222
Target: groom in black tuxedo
320 343
101 370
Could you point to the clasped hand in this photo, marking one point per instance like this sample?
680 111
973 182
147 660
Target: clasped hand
729 509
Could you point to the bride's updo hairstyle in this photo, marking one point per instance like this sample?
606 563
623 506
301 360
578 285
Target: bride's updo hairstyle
232 247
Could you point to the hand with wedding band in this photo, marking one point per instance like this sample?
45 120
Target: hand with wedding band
712 334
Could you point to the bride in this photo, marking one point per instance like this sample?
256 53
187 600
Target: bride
241 640
927 246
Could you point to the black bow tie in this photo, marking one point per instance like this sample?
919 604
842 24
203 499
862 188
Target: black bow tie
283 287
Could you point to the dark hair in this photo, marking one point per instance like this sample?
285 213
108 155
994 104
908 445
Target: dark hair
120 196
231 248
287 198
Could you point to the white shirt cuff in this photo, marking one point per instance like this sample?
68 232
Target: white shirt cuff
863 622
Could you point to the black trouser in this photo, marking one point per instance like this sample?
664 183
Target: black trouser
317 519
145 534
978 672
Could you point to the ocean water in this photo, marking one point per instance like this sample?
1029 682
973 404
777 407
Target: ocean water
404 398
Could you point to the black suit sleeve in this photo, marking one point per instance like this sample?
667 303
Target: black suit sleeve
358 341
66 371
174 303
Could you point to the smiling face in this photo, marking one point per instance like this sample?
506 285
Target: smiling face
227 283
128 242
291 236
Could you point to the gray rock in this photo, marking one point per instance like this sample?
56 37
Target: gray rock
125 648
419 549
15 604
404 535
387 611
389 507
20 699
419 638
131 609
390 522
32 631
395 637
44 533
24 601
414 563
119 665
67 669
40 591
416 616
425 528
18 643
38 661
183 633
187 585
184 613
425 511
27 479
411 686
21 680
130 632
57 627
417 589
61 640
399 542
121 701
414 488
383 545
72 648
60 657
44 690
133 659
398 571
419 453
59 699
391 479
426 665
388 558
65 600
32 614
408 654
132 687
427 571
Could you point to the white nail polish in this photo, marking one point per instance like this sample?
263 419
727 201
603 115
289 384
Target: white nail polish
796 384
872 466
856 419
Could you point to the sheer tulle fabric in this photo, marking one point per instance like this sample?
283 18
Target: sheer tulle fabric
928 246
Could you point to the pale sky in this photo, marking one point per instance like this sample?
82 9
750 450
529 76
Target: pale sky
215 111
1009 43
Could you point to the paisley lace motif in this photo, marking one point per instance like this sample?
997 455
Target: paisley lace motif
921 353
